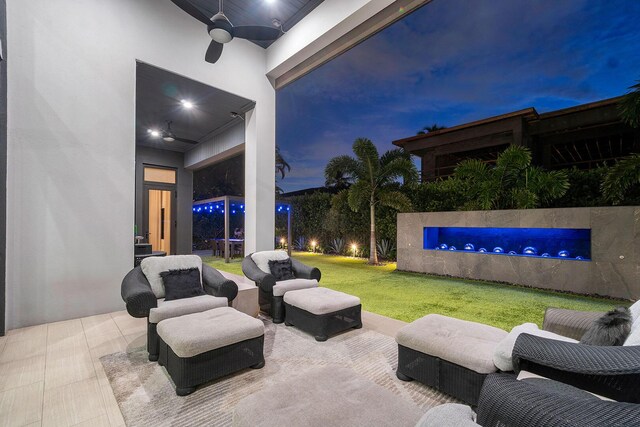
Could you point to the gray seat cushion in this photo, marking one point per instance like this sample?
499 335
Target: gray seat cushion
468 344
449 415
320 300
180 307
338 396
198 333
284 286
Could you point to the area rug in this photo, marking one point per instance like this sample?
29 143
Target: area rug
146 395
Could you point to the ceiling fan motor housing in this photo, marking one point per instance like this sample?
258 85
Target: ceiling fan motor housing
221 29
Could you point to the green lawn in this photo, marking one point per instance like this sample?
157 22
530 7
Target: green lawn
408 296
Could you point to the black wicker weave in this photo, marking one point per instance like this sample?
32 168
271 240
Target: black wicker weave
189 372
612 371
270 304
569 323
140 299
455 380
507 402
322 326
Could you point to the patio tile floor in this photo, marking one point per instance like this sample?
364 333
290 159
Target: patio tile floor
51 375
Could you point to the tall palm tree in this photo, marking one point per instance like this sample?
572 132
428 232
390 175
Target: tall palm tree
375 181
282 167
434 127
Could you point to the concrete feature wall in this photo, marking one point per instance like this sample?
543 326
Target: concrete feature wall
172 159
71 143
614 269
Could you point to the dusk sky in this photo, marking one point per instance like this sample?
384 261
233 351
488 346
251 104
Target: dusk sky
454 61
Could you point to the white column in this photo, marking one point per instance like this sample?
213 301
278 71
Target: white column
259 219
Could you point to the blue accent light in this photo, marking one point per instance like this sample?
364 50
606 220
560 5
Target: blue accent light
558 243
579 258
452 248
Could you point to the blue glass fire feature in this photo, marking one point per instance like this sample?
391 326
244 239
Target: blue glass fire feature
549 243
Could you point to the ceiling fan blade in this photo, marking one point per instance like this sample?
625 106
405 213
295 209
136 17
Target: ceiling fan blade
186 6
256 32
187 141
213 52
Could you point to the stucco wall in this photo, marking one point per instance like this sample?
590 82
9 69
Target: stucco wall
614 269
71 143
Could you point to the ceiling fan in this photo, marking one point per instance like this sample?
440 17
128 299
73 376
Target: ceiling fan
222 30
168 136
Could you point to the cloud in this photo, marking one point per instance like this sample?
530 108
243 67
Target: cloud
454 61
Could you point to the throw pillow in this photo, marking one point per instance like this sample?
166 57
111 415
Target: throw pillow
282 270
503 351
184 283
153 266
612 328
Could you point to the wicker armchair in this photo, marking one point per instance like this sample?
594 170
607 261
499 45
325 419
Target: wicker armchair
612 371
140 299
507 402
270 303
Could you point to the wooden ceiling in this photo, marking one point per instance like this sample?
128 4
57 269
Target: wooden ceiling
260 12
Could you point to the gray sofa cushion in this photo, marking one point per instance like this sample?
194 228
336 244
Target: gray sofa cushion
468 344
449 415
320 300
198 333
284 286
338 396
180 307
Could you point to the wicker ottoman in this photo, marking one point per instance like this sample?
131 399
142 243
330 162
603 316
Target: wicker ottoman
449 354
201 347
322 312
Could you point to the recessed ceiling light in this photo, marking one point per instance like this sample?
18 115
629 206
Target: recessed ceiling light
270 1
187 104
154 133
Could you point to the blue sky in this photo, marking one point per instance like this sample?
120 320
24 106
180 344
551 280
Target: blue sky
454 61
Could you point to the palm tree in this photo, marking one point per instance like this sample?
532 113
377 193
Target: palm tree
434 127
511 184
375 181
341 180
629 106
282 167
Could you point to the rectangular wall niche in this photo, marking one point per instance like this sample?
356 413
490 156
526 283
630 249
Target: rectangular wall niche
554 243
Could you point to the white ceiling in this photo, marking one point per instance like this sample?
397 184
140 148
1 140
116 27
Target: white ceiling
158 96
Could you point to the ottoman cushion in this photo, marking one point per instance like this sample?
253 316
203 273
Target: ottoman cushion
198 333
322 396
320 300
467 344
449 415
181 307
284 286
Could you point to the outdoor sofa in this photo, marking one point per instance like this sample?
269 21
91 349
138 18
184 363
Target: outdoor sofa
142 293
271 291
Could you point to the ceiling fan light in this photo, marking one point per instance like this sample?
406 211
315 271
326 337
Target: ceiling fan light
168 138
220 35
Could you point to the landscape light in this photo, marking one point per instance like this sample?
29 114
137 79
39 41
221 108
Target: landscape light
313 245
354 248
283 241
